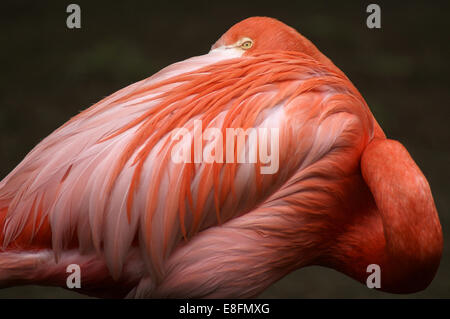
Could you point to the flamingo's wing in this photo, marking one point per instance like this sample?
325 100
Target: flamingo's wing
107 179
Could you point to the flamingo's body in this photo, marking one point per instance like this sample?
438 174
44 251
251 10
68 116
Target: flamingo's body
102 192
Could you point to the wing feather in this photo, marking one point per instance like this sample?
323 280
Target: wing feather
107 179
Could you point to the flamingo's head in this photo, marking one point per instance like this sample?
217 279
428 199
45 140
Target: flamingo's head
266 34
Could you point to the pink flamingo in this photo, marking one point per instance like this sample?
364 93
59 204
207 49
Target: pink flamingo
102 191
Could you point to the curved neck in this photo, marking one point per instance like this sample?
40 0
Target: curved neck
399 228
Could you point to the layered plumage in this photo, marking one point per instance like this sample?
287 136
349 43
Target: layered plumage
102 191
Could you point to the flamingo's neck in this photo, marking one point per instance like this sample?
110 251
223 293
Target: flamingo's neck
395 224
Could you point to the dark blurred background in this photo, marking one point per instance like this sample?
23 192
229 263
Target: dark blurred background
49 73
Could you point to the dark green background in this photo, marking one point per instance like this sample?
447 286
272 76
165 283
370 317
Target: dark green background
50 73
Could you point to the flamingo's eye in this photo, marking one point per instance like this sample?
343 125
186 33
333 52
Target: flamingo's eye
247 44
